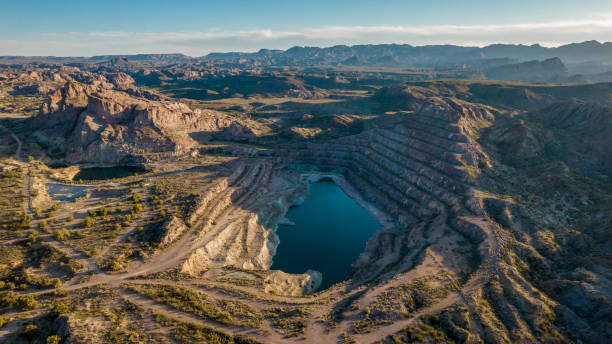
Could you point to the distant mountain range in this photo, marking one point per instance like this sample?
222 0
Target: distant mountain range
429 55
589 61
404 54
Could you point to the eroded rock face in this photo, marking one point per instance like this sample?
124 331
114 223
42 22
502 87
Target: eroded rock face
248 240
564 131
293 284
99 124
173 228
120 80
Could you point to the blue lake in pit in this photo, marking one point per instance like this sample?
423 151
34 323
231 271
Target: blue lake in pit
66 193
330 232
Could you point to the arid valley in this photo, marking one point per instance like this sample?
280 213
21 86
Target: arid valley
353 194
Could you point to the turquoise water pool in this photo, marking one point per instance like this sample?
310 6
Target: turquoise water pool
330 232
66 193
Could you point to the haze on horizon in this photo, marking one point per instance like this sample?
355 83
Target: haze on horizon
85 28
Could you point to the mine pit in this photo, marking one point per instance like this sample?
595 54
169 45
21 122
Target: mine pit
110 172
329 232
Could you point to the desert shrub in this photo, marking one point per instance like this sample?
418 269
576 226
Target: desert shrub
113 265
54 339
88 222
138 207
33 236
30 331
61 234
25 221
51 282
27 302
8 299
59 309
43 225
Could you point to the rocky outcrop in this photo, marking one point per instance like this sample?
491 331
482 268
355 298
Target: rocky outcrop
120 80
98 124
282 283
172 230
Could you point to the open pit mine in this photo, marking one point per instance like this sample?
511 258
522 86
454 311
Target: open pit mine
219 201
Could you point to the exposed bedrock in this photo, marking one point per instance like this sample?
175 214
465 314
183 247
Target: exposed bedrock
421 172
94 123
241 214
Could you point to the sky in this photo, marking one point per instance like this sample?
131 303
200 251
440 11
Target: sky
195 28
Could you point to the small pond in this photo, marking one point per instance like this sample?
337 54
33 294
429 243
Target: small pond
330 232
112 172
66 193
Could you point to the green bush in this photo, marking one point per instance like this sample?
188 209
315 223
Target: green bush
51 282
30 330
61 234
59 309
33 236
113 265
138 207
54 339
8 299
366 312
26 220
27 302
88 222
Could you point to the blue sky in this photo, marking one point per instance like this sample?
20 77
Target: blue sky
88 27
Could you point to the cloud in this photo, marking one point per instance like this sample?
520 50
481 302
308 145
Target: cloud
601 26
200 43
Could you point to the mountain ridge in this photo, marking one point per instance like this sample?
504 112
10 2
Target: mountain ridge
569 53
